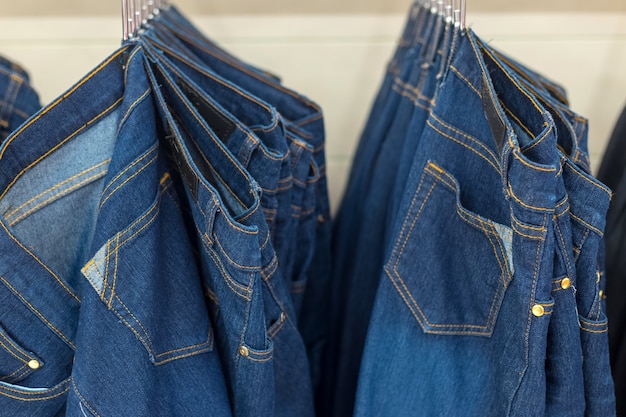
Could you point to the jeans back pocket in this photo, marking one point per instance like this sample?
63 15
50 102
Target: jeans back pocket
450 266
148 276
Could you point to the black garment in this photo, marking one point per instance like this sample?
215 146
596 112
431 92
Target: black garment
613 173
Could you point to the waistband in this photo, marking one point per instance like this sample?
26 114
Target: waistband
493 102
291 105
223 196
589 198
262 163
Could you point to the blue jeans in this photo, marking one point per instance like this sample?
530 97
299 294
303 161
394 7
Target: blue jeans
366 263
466 294
271 374
144 303
303 119
579 381
18 100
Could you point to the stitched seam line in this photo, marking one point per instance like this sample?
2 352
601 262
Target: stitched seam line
58 185
65 287
60 144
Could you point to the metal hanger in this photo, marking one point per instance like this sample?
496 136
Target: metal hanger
137 13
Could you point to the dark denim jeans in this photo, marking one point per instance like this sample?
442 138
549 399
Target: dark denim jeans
18 99
271 372
304 120
144 304
472 258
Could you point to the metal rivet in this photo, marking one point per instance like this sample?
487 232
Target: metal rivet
566 283
321 218
282 316
244 351
601 295
538 310
34 364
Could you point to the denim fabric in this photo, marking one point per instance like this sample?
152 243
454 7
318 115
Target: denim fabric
589 200
275 379
18 99
371 238
572 223
50 169
564 357
303 119
142 300
179 23
265 166
478 328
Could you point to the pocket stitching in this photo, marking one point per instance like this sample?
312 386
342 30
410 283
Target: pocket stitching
472 221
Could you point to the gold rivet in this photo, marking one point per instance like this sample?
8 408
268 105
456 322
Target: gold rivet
34 364
566 283
601 295
599 276
538 310
243 351
282 316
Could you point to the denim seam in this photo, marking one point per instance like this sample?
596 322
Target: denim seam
128 168
541 229
587 225
468 82
594 184
517 120
231 261
313 118
277 327
226 216
265 242
11 91
407 293
529 321
13 212
479 143
417 90
232 284
519 232
130 110
32 255
268 272
132 55
249 72
538 141
216 141
506 74
535 167
56 197
563 249
26 393
13 349
83 400
476 151
220 80
56 147
126 181
250 137
528 206
411 97
214 171
57 101
17 375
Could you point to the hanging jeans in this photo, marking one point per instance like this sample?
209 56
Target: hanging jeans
467 285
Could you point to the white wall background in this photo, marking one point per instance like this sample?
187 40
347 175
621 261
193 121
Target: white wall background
339 60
